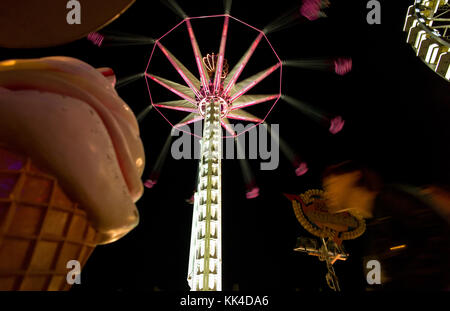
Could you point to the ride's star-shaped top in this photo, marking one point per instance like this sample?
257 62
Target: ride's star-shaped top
215 82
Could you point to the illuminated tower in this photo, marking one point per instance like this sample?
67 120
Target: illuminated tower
214 98
205 257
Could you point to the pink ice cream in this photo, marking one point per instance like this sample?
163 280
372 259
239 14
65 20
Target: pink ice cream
68 117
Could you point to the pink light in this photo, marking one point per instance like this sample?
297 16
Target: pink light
301 169
96 38
150 183
148 85
244 63
201 70
253 193
180 72
281 78
244 118
221 55
195 119
276 101
149 60
252 84
254 102
227 128
311 9
173 28
248 25
343 66
336 125
202 77
207 16
162 114
182 95
186 109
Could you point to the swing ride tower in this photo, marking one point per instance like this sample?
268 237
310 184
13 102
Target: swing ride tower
213 99
205 257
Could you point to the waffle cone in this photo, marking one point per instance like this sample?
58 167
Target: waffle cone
41 228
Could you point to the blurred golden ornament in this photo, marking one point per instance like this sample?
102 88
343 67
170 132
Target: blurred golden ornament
312 213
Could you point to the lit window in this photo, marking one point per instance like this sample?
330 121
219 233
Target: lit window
420 37
433 49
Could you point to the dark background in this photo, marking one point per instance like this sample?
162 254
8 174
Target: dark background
396 112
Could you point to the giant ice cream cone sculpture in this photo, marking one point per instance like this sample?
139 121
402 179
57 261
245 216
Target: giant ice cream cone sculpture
41 228
70 166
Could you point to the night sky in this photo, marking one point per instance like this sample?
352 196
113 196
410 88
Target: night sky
396 112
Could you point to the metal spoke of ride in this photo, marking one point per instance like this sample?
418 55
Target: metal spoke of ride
176 88
181 105
187 76
250 100
246 85
198 58
223 42
230 81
